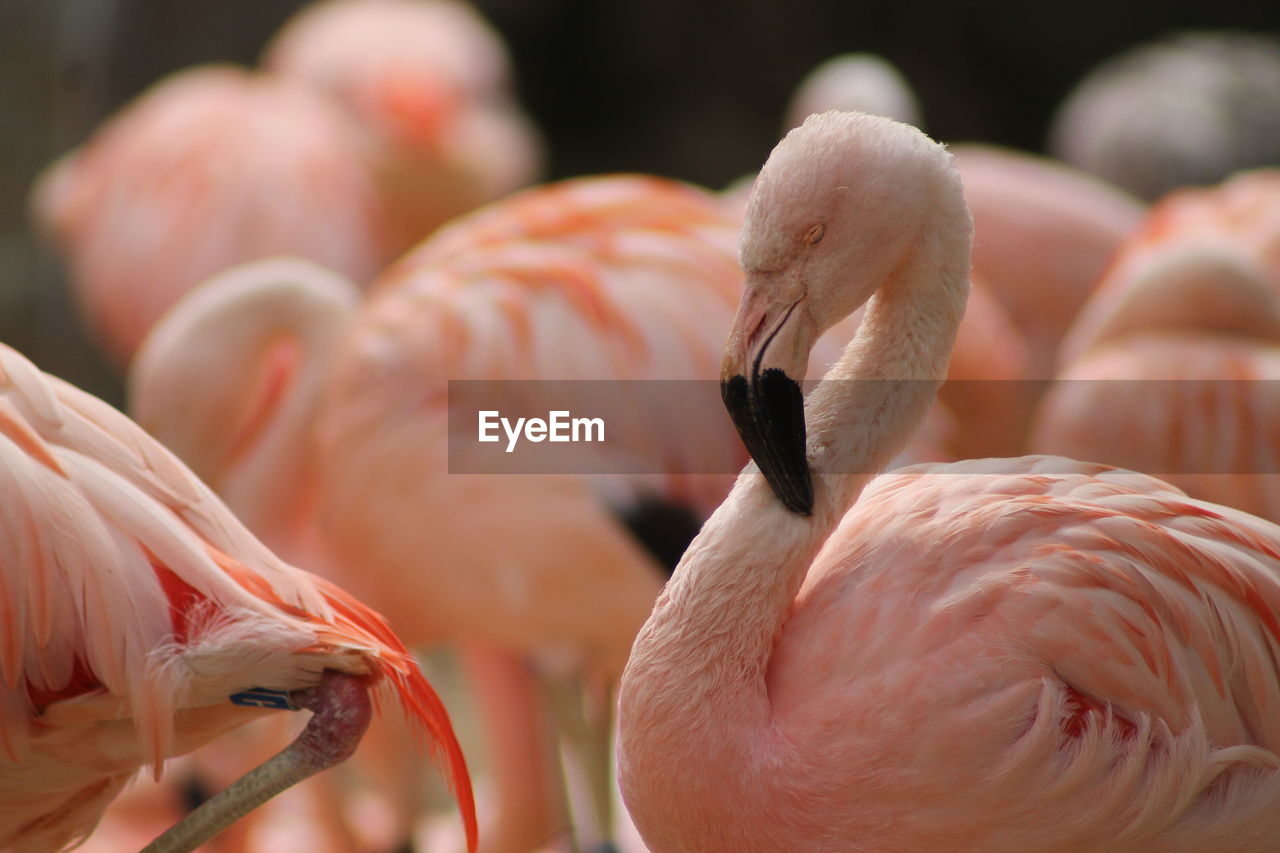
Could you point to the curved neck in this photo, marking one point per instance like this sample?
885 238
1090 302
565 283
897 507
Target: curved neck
230 380
714 628
270 481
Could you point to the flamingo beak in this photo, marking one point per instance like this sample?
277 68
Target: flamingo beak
767 354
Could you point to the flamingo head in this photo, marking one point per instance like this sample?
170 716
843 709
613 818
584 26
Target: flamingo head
413 109
831 218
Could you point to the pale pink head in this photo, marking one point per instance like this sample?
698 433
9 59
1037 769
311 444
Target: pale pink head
854 81
406 69
842 206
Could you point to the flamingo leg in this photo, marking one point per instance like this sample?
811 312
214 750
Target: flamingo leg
585 723
530 807
342 710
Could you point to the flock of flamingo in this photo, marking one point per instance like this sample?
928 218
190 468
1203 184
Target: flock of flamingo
891 631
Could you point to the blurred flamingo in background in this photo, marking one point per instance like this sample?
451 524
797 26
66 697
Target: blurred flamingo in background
621 277
143 620
1029 654
1188 312
854 81
1166 383
428 84
1239 216
1190 108
1043 235
385 118
210 167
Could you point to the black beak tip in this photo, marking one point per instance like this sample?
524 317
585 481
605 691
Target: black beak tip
800 500
769 416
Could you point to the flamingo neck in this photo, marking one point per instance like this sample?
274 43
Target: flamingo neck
695 686
270 483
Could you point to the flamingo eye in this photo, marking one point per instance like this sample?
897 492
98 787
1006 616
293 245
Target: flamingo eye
814 234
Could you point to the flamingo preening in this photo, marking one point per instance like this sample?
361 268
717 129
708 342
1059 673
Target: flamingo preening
141 620
1025 654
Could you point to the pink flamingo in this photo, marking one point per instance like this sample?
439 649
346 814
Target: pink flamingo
1018 654
1240 216
1044 234
1165 380
211 167
142 620
621 276
854 81
428 83
1189 108
983 408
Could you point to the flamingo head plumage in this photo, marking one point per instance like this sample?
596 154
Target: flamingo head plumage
830 219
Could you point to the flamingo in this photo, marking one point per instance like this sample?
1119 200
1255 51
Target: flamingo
323 422
983 408
1002 654
854 81
1240 217
143 620
428 83
1188 108
374 121
210 167
1174 366
229 380
1044 234
622 277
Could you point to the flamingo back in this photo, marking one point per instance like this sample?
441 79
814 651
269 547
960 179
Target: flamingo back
612 278
1043 236
1105 644
210 167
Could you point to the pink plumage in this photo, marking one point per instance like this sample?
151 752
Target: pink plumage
428 84
1044 234
620 277
135 605
1029 654
211 167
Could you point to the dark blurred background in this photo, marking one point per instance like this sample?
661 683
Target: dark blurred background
693 89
